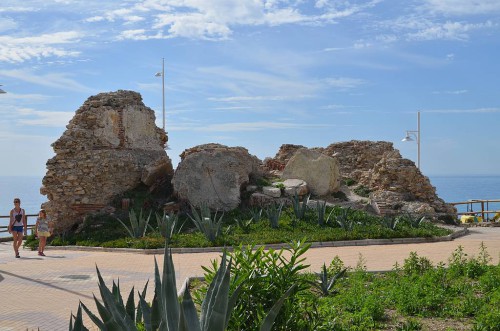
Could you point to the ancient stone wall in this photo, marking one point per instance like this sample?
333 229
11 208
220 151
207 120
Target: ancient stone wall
111 143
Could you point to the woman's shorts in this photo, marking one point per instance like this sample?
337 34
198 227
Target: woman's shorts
18 228
43 233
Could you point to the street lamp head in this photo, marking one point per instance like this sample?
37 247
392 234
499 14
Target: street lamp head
158 74
2 91
407 138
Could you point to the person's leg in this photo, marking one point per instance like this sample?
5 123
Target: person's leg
19 241
41 246
15 234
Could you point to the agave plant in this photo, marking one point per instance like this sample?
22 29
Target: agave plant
415 221
273 212
325 283
168 225
390 222
210 227
256 213
167 312
344 220
244 225
299 209
138 225
321 212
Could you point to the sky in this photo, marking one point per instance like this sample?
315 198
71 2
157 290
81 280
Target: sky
259 74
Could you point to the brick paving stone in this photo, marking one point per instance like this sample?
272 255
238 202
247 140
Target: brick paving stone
43 291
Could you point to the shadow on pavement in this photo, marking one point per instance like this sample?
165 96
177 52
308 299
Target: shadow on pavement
45 284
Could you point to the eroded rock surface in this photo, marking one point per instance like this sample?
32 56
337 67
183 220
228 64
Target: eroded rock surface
214 175
110 145
321 172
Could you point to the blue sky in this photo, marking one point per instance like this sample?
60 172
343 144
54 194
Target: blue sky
260 74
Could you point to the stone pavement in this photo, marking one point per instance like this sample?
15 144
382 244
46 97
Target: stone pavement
41 292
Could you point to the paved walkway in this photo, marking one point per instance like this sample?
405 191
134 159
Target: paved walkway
43 291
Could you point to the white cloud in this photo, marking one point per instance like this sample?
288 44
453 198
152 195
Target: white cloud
448 31
245 126
28 116
462 7
56 80
456 92
259 98
19 49
464 111
345 82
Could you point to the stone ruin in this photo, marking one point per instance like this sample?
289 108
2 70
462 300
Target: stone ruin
111 145
396 184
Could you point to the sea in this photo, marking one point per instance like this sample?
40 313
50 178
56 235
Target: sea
449 188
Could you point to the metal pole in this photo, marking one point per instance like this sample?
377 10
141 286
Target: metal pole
163 89
418 140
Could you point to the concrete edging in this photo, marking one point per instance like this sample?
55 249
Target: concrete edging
343 243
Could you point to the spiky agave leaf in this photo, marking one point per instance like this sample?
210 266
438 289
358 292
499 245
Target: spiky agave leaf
116 309
189 315
214 308
268 322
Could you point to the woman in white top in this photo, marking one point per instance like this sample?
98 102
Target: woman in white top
17 224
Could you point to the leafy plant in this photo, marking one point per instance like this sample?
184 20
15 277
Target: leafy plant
138 225
321 211
256 214
273 212
414 221
362 191
325 283
263 276
344 220
244 225
390 222
31 242
280 185
168 225
299 208
210 227
409 325
349 181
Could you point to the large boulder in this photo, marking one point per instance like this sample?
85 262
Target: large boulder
214 175
110 146
321 172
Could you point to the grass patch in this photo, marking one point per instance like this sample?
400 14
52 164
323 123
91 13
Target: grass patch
106 231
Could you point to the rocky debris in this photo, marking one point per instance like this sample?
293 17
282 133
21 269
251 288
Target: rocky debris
395 183
321 172
109 147
271 191
295 186
215 175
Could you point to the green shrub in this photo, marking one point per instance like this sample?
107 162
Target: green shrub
210 227
349 181
262 277
362 191
31 242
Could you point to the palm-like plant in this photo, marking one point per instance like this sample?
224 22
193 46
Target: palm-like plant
256 213
210 227
168 225
344 220
138 224
325 283
321 212
273 212
299 209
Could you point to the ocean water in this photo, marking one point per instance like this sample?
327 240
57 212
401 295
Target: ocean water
449 188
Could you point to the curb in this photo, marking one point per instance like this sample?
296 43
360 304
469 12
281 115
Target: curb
343 243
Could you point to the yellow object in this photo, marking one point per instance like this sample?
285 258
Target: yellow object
496 218
471 219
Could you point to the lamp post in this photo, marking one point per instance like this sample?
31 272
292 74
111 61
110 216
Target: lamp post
416 134
162 75
2 91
